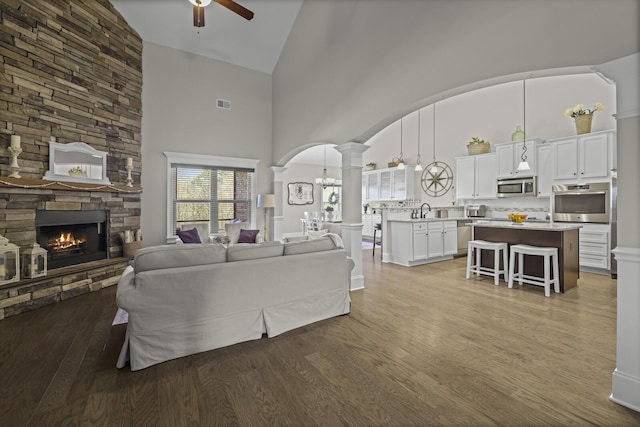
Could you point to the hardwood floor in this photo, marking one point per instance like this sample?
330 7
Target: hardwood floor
422 346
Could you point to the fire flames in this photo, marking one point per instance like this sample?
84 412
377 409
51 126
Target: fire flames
66 241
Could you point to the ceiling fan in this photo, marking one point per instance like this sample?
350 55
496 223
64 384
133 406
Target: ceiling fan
199 5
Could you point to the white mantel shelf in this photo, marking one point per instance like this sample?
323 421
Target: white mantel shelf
38 184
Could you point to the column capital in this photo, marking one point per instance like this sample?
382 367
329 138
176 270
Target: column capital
352 153
277 172
625 72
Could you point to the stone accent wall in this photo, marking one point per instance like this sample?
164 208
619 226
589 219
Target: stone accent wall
71 69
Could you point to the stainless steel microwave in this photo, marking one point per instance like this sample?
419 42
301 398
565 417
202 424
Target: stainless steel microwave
517 187
581 202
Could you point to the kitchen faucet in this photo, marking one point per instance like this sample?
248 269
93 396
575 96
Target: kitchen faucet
423 215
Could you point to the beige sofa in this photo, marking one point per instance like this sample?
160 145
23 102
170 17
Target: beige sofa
185 299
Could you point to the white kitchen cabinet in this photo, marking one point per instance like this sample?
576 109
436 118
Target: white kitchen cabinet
545 165
420 242
368 223
450 238
442 238
388 184
370 186
583 157
476 177
595 247
509 155
415 243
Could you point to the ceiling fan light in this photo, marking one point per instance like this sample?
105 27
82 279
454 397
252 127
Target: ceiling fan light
203 3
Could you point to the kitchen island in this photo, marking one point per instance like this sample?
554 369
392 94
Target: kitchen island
565 237
413 242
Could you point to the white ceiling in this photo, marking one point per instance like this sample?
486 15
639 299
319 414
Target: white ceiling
226 36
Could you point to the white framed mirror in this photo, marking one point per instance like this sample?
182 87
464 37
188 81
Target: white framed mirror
76 162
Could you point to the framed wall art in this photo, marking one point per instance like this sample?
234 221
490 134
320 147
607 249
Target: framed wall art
300 193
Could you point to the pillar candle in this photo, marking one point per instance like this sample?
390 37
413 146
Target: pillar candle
129 162
15 141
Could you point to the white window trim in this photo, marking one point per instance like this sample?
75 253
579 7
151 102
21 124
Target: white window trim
211 161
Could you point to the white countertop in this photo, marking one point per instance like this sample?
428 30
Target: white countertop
423 219
543 226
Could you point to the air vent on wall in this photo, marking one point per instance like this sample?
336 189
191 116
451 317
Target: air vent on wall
224 104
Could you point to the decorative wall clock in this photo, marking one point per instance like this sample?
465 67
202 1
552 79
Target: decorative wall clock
437 179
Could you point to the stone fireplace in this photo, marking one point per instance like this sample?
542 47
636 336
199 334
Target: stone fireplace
76 80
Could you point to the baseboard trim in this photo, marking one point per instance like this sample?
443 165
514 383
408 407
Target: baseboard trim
357 283
626 390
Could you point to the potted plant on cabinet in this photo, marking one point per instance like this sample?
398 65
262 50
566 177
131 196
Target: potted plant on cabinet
478 146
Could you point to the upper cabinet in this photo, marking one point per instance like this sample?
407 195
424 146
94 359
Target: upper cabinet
476 176
545 165
510 154
388 184
583 156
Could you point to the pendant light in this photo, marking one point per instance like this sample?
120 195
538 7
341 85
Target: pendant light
400 161
418 161
434 168
524 165
325 180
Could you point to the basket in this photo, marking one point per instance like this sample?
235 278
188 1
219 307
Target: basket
479 148
129 249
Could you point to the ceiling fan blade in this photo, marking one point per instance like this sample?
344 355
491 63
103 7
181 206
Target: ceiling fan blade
235 7
198 16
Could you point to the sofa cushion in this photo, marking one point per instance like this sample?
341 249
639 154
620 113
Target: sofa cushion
317 234
247 252
247 236
170 256
325 243
189 236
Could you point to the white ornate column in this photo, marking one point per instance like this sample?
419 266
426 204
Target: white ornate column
625 72
278 192
351 227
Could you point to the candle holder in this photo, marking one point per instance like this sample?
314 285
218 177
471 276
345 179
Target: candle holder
129 168
15 168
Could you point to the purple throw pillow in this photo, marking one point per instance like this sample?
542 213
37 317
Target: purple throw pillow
189 236
247 236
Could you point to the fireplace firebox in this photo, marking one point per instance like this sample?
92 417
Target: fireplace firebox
72 237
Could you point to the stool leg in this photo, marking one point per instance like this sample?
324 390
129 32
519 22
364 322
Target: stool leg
374 242
477 260
505 263
520 268
547 276
469 256
496 266
512 263
556 274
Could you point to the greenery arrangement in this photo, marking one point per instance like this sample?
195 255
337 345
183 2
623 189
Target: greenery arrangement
581 110
476 140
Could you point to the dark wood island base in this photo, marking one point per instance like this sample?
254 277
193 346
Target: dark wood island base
560 236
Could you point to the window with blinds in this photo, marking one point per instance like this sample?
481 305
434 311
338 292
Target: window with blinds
213 195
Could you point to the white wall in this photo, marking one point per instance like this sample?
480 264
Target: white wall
179 114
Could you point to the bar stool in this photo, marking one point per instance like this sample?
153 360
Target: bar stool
549 254
377 227
476 247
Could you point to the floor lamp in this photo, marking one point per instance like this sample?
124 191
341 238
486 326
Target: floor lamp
266 201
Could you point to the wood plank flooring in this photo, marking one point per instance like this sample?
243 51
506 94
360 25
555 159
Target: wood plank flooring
422 346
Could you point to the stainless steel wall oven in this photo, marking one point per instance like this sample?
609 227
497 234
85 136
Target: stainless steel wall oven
581 202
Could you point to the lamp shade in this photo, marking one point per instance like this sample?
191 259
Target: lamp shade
266 200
